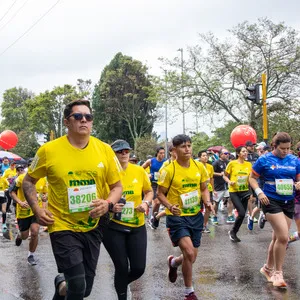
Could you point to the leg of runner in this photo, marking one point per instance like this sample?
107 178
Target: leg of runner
230 216
34 238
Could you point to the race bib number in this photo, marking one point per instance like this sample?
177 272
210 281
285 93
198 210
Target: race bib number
128 211
156 176
284 186
80 197
190 199
2 194
242 181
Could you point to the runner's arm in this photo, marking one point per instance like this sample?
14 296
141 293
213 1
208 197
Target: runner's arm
146 164
258 191
30 193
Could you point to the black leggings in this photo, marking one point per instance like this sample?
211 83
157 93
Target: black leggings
78 283
240 202
126 248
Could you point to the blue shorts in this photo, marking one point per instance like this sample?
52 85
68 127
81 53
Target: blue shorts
179 227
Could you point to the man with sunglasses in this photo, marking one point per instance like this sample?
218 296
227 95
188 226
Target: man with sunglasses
83 176
221 187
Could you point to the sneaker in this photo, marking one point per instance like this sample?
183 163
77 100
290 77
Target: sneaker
267 272
18 240
277 279
31 260
230 220
292 238
215 220
4 227
261 221
205 229
59 279
233 237
155 221
191 296
151 223
255 220
250 223
172 272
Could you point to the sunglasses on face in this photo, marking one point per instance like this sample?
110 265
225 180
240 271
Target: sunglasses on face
80 116
125 151
226 153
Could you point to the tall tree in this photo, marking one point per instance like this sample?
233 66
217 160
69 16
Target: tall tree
13 109
123 101
215 79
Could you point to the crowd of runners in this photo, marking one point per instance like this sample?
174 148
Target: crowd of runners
85 192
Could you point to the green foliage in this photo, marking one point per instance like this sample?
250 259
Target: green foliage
123 101
145 145
27 144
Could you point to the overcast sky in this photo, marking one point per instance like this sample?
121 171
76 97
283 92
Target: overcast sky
76 39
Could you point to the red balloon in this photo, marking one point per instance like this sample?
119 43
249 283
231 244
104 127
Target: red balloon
8 139
241 134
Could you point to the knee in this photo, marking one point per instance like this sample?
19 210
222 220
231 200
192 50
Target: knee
76 286
190 255
282 239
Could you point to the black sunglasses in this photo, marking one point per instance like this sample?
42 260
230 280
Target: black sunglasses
79 117
121 151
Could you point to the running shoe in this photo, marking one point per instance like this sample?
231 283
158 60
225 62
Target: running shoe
31 260
151 223
172 272
230 220
215 220
57 283
267 272
255 220
18 240
191 296
205 229
4 227
233 237
155 221
261 221
293 237
277 279
250 223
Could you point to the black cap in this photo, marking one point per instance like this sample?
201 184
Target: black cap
249 144
120 145
19 167
12 162
267 148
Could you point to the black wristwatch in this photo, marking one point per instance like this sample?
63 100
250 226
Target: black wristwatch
110 207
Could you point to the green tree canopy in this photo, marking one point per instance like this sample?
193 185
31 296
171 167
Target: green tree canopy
123 101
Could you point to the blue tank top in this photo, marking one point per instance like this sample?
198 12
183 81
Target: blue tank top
154 168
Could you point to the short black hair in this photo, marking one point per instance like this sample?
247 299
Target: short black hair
238 150
181 139
201 151
69 106
158 149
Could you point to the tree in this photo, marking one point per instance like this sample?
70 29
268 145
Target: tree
46 109
27 144
123 101
13 109
145 146
216 79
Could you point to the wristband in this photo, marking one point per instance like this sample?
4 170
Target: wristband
258 191
147 202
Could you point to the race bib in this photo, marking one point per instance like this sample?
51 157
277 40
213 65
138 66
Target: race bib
284 186
127 211
190 199
242 180
2 194
80 197
156 176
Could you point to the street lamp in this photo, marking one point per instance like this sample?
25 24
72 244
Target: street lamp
182 90
166 119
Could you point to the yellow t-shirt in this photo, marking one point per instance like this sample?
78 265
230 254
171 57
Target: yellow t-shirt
75 177
41 186
3 186
9 173
184 186
210 170
166 163
239 173
134 180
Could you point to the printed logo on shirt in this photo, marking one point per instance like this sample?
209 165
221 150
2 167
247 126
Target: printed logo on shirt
100 165
282 167
134 180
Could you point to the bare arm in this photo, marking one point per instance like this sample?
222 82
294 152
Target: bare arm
23 204
226 179
144 206
260 194
146 164
100 206
205 196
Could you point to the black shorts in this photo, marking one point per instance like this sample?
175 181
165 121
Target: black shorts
276 206
24 224
72 248
179 227
3 200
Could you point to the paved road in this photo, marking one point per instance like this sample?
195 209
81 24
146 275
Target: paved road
223 270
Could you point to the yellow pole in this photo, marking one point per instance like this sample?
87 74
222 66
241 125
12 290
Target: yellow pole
264 103
51 135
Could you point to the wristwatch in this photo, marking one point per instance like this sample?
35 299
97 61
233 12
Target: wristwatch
110 207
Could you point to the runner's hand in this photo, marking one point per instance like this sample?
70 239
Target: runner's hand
118 207
99 208
175 210
297 185
263 199
142 207
44 217
24 204
210 207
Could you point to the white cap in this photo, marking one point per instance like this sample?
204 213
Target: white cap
261 145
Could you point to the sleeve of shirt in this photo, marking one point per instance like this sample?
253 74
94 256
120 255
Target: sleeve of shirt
203 173
257 167
215 165
38 168
298 167
165 178
146 181
229 168
114 168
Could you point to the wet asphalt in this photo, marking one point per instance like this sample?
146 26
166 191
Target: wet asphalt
223 270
